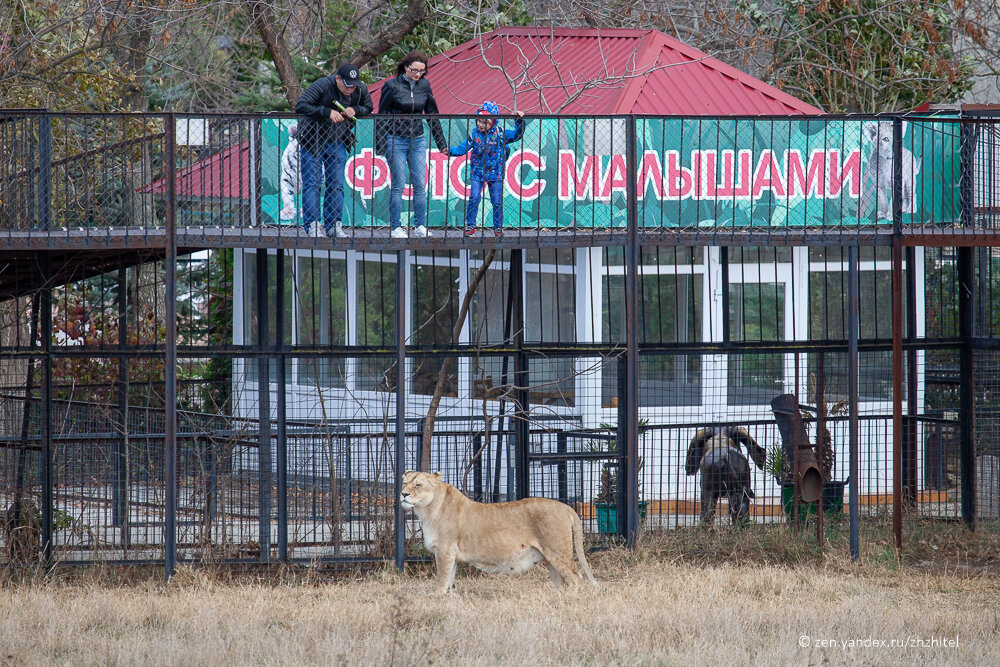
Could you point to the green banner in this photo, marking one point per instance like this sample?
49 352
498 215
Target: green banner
689 172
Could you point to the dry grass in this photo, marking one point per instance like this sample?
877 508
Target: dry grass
686 597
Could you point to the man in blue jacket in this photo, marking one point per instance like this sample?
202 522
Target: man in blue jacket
326 134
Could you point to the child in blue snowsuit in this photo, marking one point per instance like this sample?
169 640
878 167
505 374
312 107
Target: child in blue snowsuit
488 146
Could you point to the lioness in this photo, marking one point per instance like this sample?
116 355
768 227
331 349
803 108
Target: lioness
498 537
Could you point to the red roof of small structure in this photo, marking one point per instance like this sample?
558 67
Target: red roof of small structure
224 174
554 70
597 71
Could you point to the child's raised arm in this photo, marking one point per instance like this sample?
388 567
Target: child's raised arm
518 131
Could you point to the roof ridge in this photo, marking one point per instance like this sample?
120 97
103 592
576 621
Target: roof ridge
649 50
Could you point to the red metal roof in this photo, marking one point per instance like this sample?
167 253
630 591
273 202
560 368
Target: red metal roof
553 70
224 174
597 71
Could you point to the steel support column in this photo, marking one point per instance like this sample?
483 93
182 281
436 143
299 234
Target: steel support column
45 326
897 333
853 325
521 379
170 356
967 390
910 443
119 482
263 410
402 257
631 467
281 451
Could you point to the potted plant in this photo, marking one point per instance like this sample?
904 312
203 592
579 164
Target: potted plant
606 500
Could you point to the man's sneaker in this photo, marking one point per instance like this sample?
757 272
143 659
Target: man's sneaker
314 230
498 233
398 233
337 231
470 231
421 232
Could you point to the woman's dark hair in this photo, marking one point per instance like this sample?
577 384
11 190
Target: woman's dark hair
409 59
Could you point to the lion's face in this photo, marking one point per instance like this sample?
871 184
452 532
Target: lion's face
419 489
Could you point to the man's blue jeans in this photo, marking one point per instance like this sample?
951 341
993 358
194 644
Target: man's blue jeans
328 166
476 195
408 152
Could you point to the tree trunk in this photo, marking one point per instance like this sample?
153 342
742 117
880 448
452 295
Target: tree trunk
425 447
262 15
416 13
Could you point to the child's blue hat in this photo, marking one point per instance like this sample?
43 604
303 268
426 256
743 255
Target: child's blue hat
488 108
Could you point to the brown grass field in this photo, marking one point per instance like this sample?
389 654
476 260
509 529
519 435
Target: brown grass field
758 596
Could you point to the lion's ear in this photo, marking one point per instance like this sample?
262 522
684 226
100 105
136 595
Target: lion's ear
438 474
407 472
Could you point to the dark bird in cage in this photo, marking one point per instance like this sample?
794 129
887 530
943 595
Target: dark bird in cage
725 471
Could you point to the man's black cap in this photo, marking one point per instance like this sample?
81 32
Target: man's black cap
349 74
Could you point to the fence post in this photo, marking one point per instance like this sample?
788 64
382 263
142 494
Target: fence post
631 468
119 482
170 372
263 411
402 257
281 452
967 391
522 470
45 326
853 316
966 327
897 331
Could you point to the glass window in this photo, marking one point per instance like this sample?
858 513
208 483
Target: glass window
435 311
670 311
756 313
828 304
376 325
321 306
251 331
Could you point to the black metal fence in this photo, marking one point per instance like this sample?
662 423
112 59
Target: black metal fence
189 371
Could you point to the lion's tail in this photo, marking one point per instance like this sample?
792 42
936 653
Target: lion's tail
578 545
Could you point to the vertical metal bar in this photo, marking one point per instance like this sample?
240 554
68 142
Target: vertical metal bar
852 394
170 374
521 379
966 327
632 342
562 476
45 304
263 411
402 257
621 451
477 468
897 332
45 172
119 489
820 431
967 392
897 390
281 453
910 448
724 265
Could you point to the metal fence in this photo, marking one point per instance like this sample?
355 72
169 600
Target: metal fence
188 371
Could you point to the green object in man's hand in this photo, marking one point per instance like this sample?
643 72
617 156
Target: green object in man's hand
341 108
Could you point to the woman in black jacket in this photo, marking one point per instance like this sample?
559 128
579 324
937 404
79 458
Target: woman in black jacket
402 140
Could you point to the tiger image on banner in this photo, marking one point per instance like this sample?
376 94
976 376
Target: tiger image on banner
290 183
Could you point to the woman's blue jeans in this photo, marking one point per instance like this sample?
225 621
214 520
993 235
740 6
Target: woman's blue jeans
408 152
